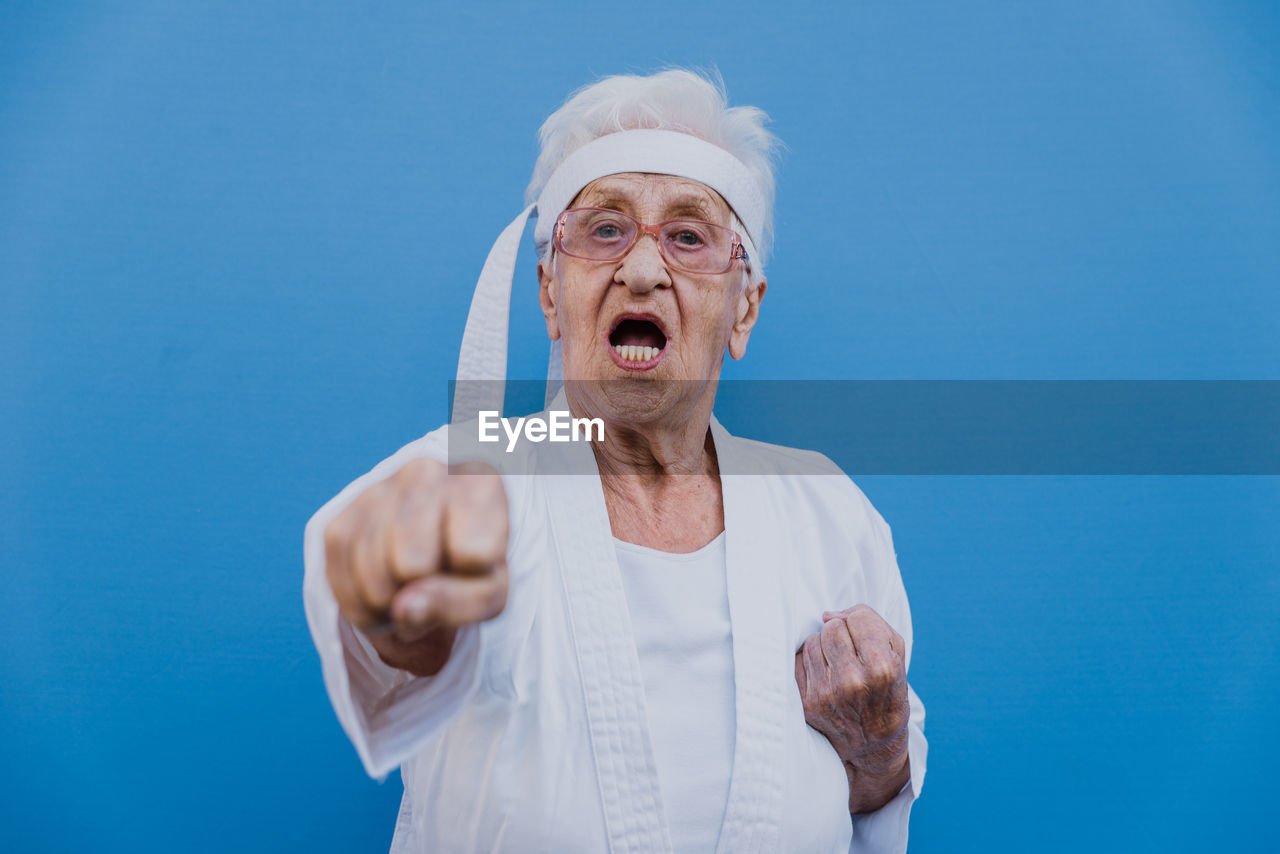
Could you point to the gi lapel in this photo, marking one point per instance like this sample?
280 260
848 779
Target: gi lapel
763 671
612 684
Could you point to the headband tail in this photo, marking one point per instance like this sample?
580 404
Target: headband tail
482 361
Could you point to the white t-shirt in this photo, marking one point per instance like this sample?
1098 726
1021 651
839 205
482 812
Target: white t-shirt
679 607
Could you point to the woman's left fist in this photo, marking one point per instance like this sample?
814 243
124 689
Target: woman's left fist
853 683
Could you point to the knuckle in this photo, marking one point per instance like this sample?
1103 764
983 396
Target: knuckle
420 470
338 532
882 674
853 682
863 615
478 484
376 587
476 539
473 551
410 552
877 658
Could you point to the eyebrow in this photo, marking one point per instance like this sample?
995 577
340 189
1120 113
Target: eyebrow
692 205
681 206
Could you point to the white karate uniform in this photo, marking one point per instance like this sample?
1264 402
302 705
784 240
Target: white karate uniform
536 735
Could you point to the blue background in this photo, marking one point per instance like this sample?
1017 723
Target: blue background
237 243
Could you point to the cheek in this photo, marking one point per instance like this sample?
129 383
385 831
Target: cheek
716 320
582 320
578 314
706 331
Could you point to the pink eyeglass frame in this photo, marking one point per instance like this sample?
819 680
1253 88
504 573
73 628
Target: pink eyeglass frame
736 249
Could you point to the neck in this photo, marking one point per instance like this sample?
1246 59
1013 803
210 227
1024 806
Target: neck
652 452
661 478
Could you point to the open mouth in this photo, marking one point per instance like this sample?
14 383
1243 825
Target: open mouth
637 341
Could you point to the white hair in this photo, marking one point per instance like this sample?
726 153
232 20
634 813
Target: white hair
675 99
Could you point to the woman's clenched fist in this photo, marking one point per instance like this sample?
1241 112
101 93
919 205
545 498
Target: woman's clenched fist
418 555
852 676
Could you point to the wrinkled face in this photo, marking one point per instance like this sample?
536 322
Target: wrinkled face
637 318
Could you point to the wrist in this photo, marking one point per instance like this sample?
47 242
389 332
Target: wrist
877 776
425 656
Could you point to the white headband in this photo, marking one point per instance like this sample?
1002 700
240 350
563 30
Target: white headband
484 342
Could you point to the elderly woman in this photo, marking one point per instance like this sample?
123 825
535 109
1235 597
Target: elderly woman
650 657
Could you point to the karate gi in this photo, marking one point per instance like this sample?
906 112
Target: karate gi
535 737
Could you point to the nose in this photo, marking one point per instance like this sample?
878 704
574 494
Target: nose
643 268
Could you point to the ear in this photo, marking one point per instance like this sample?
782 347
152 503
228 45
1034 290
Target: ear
547 299
748 311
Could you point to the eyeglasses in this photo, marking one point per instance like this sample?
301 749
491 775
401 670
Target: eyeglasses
689 245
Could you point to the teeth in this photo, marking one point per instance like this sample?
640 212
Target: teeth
634 353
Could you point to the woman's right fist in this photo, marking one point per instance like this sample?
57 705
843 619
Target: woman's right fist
418 555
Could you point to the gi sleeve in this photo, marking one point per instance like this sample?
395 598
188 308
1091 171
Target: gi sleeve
388 714
885 830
